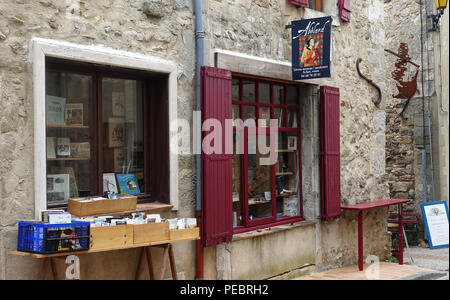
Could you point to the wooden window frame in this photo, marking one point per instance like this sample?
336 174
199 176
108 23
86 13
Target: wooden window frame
318 5
97 73
249 225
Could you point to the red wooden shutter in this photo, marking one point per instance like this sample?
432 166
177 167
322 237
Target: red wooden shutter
303 3
345 10
330 165
217 210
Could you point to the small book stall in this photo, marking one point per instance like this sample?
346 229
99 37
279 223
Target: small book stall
98 224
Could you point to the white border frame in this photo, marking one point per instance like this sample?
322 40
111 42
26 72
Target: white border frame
41 48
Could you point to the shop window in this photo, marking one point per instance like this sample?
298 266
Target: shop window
265 194
316 4
98 125
313 4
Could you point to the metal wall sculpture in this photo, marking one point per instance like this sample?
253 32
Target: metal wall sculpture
406 89
378 101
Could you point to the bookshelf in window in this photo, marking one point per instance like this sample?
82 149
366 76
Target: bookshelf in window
67 127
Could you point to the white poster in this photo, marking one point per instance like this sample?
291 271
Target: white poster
436 221
58 187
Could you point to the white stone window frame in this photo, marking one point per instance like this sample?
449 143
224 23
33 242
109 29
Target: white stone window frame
40 49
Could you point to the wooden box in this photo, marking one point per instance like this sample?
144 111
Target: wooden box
152 232
99 207
184 234
111 237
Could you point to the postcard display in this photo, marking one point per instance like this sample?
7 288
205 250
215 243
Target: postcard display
70 131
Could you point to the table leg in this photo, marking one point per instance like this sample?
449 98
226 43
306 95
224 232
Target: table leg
164 261
149 263
54 272
400 234
172 263
44 268
141 258
360 241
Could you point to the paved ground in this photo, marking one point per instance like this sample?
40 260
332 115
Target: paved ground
386 271
420 264
435 259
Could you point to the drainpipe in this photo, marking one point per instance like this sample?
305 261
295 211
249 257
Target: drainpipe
199 37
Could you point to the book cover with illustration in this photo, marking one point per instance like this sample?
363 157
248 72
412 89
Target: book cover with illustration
128 184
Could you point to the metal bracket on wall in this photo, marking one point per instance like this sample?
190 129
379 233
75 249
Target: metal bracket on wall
378 101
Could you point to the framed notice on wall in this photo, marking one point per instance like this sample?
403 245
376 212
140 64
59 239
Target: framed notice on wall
311 48
435 217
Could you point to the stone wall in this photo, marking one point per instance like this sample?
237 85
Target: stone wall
164 30
408 134
257 28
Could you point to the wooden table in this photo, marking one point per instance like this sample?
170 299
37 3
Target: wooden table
50 259
372 205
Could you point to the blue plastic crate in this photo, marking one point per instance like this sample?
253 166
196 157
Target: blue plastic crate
53 238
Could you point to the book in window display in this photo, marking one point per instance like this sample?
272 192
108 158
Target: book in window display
293 119
80 150
292 142
291 206
73 188
119 160
109 183
128 184
116 132
63 147
118 104
51 147
264 116
55 110
74 114
58 187
140 178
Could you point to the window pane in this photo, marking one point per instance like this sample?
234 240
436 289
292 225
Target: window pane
123 132
259 181
248 90
264 116
292 96
68 141
264 92
249 112
237 200
280 115
316 4
235 90
293 118
278 94
236 113
287 176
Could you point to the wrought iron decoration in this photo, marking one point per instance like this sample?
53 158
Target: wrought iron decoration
406 89
378 101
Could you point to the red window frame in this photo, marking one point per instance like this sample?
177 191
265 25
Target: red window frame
249 225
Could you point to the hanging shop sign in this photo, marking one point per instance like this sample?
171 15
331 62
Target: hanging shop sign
311 48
